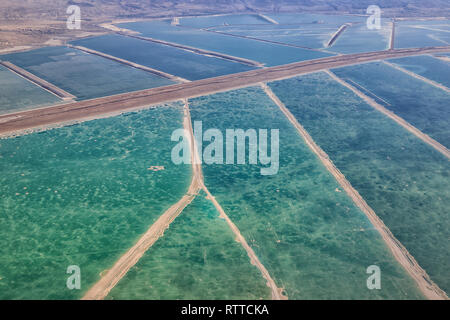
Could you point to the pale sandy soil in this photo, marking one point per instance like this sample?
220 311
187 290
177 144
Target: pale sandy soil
444 58
392 37
270 20
401 254
41 32
336 35
15 49
114 28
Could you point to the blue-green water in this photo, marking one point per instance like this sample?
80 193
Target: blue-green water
358 38
82 195
435 24
17 94
314 241
267 53
311 36
231 19
412 34
84 75
405 181
312 18
197 258
427 66
172 60
423 105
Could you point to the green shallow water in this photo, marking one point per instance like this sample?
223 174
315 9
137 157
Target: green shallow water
197 258
421 104
17 94
309 235
428 67
404 180
84 75
82 195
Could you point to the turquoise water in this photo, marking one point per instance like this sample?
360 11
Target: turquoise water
305 230
404 180
419 103
232 19
355 39
294 18
358 38
197 258
17 94
441 24
409 36
311 36
174 61
267 53
428 67
82 195
84 75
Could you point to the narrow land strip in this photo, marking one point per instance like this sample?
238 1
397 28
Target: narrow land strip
101 289
415 75
419 134
268 19
429 289
197 50
60 93
443 58
263 40
115 28
105 106
275 291
131 64
392 39
336 35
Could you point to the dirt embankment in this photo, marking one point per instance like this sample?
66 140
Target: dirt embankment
19 122
429 289
38 81
419 134
197 50
417 76
336 35
108 281
112 276
131 64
